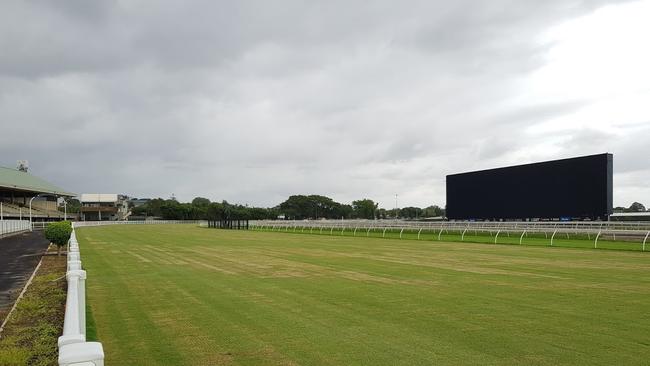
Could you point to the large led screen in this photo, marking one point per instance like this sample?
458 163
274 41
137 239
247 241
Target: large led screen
573 188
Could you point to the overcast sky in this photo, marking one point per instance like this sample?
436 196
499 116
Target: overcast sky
252 101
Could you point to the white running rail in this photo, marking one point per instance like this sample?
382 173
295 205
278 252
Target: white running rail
13 226
628 232
144 222
73 348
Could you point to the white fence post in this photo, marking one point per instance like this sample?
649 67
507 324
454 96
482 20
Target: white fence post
73 348
553 236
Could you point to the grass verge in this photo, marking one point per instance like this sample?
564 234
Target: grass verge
30 336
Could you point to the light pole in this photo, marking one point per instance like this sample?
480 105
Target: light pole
65 210
396 212
30 212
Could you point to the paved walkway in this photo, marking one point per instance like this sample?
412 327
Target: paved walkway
19 255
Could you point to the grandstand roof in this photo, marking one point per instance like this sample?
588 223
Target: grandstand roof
23 181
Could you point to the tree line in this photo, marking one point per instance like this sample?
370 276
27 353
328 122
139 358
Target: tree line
296 207
634 207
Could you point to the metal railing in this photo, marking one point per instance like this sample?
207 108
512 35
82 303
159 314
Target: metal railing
13 226
616 231
73 348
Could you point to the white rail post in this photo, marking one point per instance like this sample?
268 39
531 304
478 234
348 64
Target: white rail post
554 232
597 236
462 236
355 231
343 230
419 233
400 233
384 234
332 230
368 232
644 240
496 236
521 238
72 323
321 229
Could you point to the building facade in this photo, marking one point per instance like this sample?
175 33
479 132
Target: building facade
104 207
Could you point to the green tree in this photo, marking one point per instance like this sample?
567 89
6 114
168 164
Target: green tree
58 233
636 207
382 213
299 207
410 212
200 201
393 213
433 211
72 206
364 209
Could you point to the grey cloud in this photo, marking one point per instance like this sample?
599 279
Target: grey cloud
252 101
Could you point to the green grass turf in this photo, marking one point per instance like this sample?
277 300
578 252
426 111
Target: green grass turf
183 295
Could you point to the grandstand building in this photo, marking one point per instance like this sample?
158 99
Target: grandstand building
104 207
18 189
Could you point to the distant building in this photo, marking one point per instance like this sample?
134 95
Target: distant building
104 207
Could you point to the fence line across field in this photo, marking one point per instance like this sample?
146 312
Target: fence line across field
626 231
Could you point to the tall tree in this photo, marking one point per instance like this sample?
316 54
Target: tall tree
636 207
364 209
200 201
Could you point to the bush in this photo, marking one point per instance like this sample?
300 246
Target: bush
58 233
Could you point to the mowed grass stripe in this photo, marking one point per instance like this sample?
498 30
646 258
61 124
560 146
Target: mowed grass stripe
183 295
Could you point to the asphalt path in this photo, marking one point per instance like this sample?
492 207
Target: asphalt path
19 256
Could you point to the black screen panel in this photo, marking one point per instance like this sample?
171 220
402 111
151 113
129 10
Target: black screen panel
568 188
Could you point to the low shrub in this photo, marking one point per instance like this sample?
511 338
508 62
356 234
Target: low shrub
58 233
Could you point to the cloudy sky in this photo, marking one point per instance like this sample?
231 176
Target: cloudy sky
251 101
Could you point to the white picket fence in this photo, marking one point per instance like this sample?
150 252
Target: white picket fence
73 348
13 226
